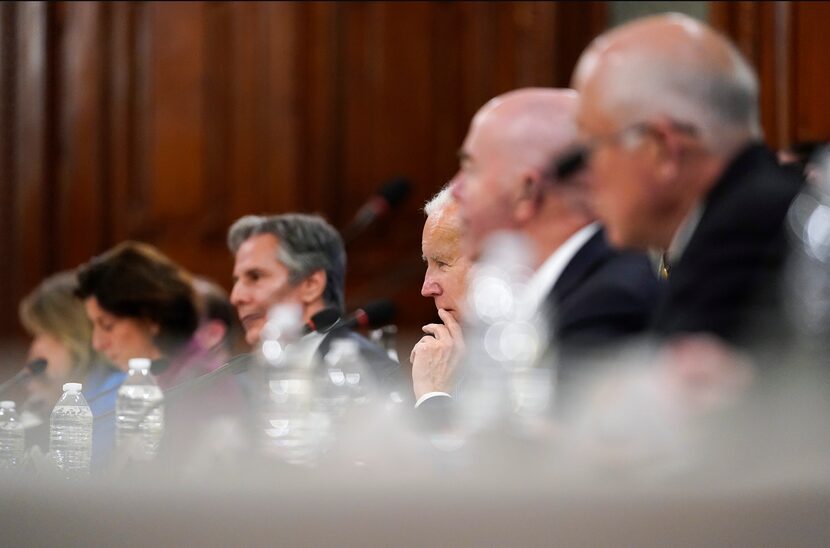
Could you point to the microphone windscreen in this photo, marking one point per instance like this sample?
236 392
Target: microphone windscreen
324 319
376 314
38 366
395 190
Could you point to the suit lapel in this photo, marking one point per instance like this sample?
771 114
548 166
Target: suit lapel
581 265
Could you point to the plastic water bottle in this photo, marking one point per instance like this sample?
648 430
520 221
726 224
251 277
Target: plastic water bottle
70 433
11 436
139 421
386 338
289 428
344 381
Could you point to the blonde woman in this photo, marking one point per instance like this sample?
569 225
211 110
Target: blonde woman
62 336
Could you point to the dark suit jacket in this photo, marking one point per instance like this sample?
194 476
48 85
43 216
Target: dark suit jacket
602 296
728 275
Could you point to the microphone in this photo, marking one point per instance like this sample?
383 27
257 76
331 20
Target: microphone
388 197
372 315
323 320
31 369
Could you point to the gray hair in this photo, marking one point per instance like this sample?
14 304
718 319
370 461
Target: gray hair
307 243
720 99
437 203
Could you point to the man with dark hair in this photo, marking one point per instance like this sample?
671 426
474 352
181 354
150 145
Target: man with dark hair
285 258
299 259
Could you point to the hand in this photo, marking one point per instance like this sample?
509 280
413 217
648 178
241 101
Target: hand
435 357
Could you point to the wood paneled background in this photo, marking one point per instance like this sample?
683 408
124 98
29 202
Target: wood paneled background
164 122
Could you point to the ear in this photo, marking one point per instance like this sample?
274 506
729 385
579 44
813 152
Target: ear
210 334
669 149
530 198
312 288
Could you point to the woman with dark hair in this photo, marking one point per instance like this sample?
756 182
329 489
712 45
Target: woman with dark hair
141 304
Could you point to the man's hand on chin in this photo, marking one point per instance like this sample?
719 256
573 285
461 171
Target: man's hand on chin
435 357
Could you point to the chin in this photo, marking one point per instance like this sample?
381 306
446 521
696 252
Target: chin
618 238
252 336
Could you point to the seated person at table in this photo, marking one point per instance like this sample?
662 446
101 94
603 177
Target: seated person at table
300 259
675 146
217 339
141 305
435 357
591 295
62 336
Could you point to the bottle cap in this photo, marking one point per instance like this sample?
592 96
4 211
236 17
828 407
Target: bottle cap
140 363
6 404
72 387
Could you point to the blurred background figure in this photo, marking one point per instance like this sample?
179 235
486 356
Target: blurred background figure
435 357
215 341
219 328
141 305
62 336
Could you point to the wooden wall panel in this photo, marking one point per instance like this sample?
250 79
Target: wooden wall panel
33 244
165 122
810 79
789 46
8 24
79 134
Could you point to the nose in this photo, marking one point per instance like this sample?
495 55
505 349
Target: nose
456 185
431 288
238 294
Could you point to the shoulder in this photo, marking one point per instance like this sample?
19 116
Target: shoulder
617 276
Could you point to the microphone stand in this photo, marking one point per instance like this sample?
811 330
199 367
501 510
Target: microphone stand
30 370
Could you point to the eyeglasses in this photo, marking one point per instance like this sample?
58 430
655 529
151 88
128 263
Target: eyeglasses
628 137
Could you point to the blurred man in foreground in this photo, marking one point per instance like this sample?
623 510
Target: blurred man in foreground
670 111
589 294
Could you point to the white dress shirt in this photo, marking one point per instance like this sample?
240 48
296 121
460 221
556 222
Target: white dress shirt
540 284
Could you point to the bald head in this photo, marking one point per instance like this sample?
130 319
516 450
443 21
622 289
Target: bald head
527 127
506 162
666 102
674 66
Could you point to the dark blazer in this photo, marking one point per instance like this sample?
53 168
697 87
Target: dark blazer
728 275
602 296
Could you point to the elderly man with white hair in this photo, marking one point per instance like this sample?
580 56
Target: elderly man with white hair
436 356
670 112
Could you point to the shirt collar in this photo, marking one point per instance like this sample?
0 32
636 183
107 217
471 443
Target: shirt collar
546 276
684 234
